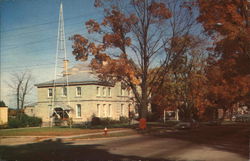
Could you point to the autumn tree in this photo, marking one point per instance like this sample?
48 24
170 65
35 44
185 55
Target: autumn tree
133 38
226 87
227 24
184 87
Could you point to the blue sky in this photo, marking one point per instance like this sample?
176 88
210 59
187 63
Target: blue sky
29 33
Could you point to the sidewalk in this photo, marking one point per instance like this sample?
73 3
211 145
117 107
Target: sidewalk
18 140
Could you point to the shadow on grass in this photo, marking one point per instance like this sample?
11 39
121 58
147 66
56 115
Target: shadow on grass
235 138
57 150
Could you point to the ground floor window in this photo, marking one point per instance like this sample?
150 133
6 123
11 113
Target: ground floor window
105 110
78 110
98 110
110 110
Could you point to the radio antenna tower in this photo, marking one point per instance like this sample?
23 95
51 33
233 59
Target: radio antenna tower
61 61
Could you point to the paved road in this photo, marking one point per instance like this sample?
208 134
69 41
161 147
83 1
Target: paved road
216 143
148 147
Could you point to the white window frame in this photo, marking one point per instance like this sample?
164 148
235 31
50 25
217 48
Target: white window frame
63 94
122 109
77 110
109 92
98 91
104 92
110 110
122 91
104 110
50 89
77 91
98 113
129 92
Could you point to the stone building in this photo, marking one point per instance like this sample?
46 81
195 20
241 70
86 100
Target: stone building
85 96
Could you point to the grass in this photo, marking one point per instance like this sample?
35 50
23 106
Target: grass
47 131
117 134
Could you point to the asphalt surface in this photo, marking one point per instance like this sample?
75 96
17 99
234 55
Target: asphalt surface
202 144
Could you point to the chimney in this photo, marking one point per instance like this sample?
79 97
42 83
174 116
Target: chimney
65 67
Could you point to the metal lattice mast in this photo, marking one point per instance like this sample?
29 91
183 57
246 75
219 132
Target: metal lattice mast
61 60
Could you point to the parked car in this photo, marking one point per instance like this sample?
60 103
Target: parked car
187 124
214 123
243 118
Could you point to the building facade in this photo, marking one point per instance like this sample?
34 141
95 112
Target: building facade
85 96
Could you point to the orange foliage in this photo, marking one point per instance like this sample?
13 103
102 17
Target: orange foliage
92 26
160 10
229 19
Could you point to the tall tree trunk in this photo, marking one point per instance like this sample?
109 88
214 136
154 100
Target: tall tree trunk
18 97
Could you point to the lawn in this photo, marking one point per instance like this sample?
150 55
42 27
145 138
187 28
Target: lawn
48 131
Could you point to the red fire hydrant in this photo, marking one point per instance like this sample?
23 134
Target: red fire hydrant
105 131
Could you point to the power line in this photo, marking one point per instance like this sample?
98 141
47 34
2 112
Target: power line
26 34
49 22
35 42
18 68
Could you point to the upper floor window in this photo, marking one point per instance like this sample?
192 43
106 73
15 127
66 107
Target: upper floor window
122 92
98 93
129 92
78 110
50 92
78 91
109 92
104 91
64 91
122 109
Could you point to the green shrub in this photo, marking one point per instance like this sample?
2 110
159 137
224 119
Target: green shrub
34 121
23 120
2 104
95 121
124 119
14 123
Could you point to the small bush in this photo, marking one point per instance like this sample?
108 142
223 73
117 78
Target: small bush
2 104
124 119
95 121
34 121
14 123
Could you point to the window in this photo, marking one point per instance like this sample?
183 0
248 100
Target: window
110 110
104 91
105 110
78 110
98 93
129 92
98 110
122 91
122 109
50 92
64 91
109 92
78 91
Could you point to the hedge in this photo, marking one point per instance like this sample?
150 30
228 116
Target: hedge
23 120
